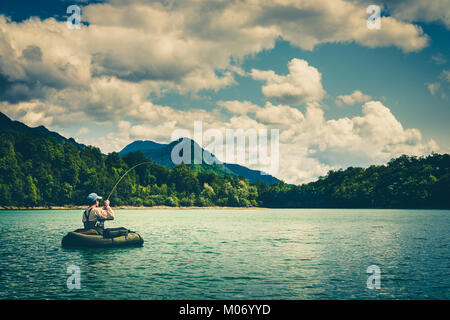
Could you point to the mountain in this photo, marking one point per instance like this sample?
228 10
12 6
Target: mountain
37 170
157 152
6 124
161 154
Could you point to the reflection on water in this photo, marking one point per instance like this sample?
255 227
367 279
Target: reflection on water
232 254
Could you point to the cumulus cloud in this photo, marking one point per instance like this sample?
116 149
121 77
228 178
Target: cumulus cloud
356 97
238 107
280 115
143 47
154 37
32 113
433 87
104 73
374 137
445 75
423 11
302 84
39 58
442 84
309 23
310 145
102 100
83 131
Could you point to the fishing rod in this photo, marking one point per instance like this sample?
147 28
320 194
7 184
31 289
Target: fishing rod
114 188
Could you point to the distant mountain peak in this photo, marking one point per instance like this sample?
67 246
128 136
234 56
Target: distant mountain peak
6 124
161 154
155 151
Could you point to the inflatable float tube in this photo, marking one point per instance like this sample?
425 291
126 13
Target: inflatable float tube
81 238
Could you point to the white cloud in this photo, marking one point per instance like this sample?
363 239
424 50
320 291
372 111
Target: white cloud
83 131
356 97
310 145
104 73
115 140
238 107
441 85
374 137
281 115
133 48
32 113
155 37
423 11
445 75
433 87
309 23
34 119
302 84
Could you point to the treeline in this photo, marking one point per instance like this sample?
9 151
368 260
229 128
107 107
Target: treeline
37 171
405 182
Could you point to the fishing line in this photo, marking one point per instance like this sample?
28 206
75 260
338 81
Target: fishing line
114 188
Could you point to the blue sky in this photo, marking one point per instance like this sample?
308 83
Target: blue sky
339 93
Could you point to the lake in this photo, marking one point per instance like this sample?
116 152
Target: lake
232 254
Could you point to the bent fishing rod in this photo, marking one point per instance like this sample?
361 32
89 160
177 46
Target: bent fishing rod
118 181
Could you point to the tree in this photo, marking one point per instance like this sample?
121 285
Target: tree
31 193
36 170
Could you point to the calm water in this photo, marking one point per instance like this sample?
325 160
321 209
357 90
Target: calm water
232 254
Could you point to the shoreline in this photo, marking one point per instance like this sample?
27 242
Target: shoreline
121 208
5 208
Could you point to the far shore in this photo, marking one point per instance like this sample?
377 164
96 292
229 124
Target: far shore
120 207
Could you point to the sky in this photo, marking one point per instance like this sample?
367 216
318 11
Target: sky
339 93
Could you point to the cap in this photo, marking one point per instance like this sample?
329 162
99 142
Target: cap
93 197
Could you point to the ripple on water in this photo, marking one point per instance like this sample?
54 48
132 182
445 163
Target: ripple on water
281 254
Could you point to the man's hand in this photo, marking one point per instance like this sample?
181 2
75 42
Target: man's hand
106 203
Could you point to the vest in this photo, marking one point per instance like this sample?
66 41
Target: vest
88 224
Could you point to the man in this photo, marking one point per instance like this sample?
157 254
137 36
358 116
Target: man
94 217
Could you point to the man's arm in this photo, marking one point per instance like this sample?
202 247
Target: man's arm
105 213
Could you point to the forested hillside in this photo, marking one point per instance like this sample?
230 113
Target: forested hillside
161 154
38 171
405 182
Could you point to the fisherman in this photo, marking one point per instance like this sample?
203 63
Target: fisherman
94 217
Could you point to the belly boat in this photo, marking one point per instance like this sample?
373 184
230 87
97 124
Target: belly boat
117 237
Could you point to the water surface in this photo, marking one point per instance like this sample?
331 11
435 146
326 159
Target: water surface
232 254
